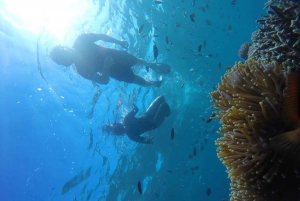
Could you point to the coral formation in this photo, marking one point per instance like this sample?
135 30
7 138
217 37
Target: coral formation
250 99
278 37
259 110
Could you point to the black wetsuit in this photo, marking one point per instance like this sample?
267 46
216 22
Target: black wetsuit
151 119
135 126
91 57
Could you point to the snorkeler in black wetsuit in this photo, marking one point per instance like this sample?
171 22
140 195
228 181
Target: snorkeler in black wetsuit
133 126
98 63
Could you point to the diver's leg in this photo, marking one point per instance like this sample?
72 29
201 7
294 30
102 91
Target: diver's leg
162 112
141 62
142 82
153 107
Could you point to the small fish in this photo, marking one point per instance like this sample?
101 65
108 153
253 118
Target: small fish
141 28
157 195
166 24
233 2
211 117
192 17
169 171
158 1
206 5
178 25
172 133
202 148
194 3
155 52
220 65
195 152
182 85
155 35
203 9
199 48
229 27
168 49
140 187
208 22
204 43
209 55
208 191
167 40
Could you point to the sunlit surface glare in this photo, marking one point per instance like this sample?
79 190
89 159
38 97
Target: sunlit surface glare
56 15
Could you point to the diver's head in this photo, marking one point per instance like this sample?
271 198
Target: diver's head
114 128
62 55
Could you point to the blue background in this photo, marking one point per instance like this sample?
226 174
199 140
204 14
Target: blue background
52 149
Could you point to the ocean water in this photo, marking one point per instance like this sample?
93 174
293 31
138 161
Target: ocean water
51 143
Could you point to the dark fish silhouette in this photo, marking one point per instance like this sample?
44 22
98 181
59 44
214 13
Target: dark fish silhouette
141 28
208 191
195 152
233 2
178 25
167 39
172 133
229 27
220 65
211 117
169 171
199 48
204 43
194 3
140 187
155 51
208 22
202 148
155 27
182 85
158 1
155 35
192 17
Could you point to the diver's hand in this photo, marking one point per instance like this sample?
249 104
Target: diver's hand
123 43
149 140
135 108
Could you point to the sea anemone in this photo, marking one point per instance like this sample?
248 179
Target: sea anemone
250 100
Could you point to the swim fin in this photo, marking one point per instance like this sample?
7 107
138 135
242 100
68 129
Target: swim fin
160 68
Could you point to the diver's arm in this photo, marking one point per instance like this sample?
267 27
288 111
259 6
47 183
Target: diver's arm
101 78
130 117
91 37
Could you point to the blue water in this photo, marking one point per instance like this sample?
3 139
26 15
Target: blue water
52 149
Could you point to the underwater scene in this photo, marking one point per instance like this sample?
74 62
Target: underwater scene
139 100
